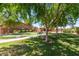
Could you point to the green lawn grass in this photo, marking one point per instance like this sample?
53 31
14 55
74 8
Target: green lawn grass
62 45
16 35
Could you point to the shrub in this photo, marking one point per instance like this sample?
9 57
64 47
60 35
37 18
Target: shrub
67 30
77 30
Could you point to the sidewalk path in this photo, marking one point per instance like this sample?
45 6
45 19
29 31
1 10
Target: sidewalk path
15 39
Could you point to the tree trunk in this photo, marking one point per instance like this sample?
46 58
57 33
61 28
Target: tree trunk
57 30
46 38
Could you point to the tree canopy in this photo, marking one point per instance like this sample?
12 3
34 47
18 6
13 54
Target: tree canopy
49 14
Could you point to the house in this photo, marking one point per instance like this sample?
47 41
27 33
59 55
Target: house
23 26
42 29
3 30
7 30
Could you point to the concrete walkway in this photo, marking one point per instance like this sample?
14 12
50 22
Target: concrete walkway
16 39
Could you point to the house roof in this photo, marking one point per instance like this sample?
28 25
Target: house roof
23 26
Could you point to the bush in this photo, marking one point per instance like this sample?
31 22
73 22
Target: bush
67 31
77 30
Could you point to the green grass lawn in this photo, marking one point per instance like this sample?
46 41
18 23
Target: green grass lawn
63 45
16 35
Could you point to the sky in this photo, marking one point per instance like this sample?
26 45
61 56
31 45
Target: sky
76 25
37 25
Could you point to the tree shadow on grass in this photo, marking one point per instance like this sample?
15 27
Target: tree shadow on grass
37 47
64 35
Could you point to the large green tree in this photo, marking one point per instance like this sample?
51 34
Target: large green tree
55 14
50 15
